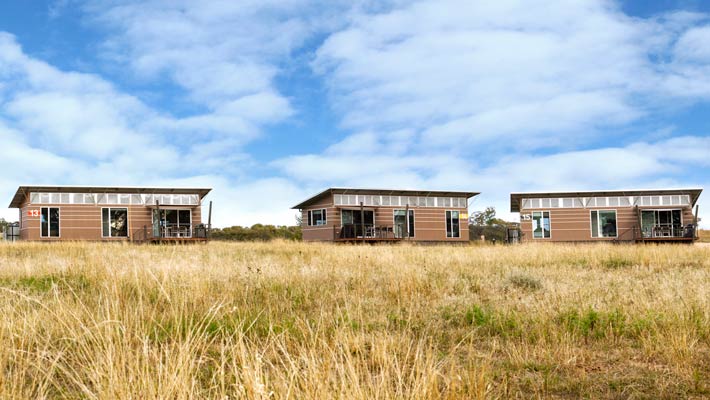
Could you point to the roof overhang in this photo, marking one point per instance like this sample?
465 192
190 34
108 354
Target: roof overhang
516 198
383 192
22 191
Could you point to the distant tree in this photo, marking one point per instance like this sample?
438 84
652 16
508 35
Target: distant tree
484 218
485 223
257 232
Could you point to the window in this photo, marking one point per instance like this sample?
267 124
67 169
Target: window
402 224
541 225
114 222
49 222
603 223
316 217
452 224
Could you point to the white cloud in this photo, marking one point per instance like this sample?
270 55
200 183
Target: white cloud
59 127
448 94
470 72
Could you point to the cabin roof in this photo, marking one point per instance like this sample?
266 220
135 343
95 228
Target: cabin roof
516 198
23 190
385 192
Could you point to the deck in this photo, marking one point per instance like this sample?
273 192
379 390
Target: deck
666 240
368 233
368 240
176 240
172 234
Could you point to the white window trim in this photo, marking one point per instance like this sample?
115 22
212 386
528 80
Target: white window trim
48 223
591 227
310 215
128 222
446 228
532 219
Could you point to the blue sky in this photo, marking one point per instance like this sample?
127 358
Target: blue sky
270 101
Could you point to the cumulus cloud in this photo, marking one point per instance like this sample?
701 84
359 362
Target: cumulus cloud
63 127
499 95
448 94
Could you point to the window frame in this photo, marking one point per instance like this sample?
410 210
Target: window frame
446 222
542 216
591 226
324 216
49 229
128 223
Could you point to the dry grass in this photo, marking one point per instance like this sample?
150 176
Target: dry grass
290 320
704 236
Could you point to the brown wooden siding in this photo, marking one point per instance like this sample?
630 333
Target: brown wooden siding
83 221
429 222
574 224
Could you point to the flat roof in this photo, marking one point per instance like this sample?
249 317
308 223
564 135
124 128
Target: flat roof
515 198
386 192
23 190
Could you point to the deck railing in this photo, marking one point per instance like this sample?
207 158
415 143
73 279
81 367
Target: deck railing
369 231
668 231
171 231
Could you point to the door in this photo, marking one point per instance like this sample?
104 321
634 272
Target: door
352 222
402 224
661 223
648 221
172 223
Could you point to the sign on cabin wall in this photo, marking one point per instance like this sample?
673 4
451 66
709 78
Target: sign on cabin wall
463 216
525 217
33 213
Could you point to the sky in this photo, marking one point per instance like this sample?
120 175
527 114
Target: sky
271 101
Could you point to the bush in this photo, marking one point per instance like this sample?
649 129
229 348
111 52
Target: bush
258 232
525 282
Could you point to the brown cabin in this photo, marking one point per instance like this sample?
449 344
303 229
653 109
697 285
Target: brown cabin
56 213
376 215
664 215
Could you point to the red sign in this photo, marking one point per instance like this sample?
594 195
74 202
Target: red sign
33 213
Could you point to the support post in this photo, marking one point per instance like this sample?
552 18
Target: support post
362 221
160 220
209 220
640 227
406 222
696 234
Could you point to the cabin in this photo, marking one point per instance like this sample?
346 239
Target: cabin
663 215
139 214
377 215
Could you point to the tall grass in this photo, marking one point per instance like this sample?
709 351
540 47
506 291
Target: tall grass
291 320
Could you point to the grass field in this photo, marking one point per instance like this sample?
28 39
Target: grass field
704 236
292 320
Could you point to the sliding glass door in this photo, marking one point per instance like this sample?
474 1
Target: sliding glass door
402 224
172 223
661 223
353 222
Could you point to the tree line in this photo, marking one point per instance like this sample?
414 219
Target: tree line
257 232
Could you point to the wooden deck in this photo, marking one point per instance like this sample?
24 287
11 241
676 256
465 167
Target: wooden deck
176 240
665 240
367 240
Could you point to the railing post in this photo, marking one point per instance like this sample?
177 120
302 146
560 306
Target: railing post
406 222
362 220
